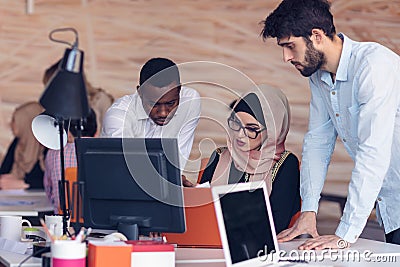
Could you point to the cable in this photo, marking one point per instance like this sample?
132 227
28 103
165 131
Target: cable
74 45
32 255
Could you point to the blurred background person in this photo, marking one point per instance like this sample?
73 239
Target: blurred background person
52 173
23 165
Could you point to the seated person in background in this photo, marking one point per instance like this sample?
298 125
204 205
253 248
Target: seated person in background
23 164
160 108
256 151
52 173
99 99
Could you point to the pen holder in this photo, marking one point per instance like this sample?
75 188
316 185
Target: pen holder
68 253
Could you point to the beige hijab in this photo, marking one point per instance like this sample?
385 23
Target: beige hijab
28 150
258 163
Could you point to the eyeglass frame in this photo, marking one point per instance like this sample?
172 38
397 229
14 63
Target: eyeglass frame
244 128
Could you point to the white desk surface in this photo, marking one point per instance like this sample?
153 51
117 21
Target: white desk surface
375 250
192 257
24 202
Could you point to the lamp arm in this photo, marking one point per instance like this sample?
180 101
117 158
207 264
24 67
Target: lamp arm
62 186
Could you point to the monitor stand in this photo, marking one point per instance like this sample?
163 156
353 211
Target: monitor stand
131 231
129 225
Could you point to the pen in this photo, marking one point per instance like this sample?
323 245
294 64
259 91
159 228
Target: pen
47 230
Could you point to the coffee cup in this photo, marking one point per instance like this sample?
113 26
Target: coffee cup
11 227
55 225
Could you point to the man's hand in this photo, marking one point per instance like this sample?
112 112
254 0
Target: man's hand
306 224
186 182
325 241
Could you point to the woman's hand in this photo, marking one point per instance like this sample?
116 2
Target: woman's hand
9 181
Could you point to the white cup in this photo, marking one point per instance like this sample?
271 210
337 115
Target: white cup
55 225
11 227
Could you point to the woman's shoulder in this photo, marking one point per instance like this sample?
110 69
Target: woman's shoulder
216 154
290 158
221 150
287 163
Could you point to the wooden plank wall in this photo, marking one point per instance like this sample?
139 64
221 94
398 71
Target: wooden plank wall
118 36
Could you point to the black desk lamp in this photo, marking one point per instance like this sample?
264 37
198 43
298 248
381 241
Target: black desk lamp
65 98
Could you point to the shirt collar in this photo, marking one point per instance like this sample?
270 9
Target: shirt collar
140 112
344 61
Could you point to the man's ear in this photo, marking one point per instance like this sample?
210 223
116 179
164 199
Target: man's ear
139 90
317 36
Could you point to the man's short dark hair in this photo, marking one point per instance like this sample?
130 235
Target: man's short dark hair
166 70
298 18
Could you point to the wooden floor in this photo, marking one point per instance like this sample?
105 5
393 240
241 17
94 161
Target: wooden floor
216 41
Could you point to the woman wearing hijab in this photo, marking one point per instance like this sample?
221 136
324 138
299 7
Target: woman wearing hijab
23 164
257 130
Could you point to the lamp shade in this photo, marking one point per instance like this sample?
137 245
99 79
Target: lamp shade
65 96
46 131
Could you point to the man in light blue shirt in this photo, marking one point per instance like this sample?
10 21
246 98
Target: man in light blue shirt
355 95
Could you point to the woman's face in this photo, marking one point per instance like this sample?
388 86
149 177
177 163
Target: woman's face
240 140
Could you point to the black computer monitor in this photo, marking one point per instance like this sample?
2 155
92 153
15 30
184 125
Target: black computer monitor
131 185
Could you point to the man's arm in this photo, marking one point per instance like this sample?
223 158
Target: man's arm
378 99
377 95
113 123
318 146
192 107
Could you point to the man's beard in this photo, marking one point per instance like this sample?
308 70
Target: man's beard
313 59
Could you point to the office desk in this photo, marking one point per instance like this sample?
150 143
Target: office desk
192 257
24 202
374 250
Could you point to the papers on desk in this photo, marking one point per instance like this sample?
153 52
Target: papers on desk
16 203
22 192
13 246
204 185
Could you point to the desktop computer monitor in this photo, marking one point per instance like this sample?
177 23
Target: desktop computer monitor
132 185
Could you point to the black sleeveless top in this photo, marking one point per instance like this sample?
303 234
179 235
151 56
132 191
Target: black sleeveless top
285 195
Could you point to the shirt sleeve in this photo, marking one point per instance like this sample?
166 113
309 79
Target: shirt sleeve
378 99
192 107
318 146
50 177
113 123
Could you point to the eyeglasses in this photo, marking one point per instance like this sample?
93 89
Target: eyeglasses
250 132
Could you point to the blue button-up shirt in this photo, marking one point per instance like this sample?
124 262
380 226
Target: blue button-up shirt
361 107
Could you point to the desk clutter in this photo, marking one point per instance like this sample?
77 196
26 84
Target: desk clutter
80 251
131 253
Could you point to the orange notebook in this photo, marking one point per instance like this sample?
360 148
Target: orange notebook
201 221
105 254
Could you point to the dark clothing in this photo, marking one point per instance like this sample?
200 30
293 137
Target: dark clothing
285 195
34 178
393 237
